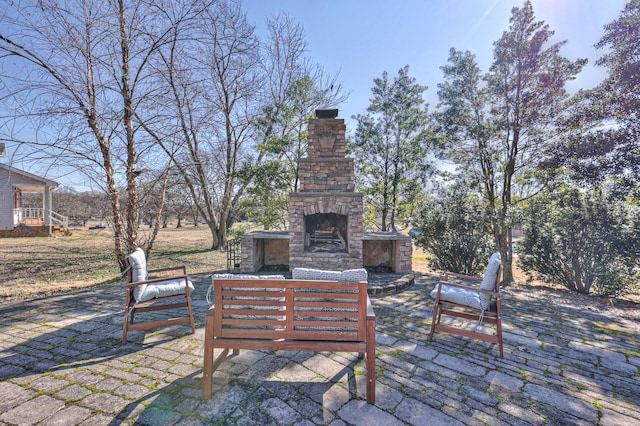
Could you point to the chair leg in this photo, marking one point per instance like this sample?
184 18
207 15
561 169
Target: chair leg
435 320
125 325
499 329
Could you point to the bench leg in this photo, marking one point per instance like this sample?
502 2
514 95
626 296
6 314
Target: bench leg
210 365
370 361
207 369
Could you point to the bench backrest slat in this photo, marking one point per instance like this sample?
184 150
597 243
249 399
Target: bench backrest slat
299 309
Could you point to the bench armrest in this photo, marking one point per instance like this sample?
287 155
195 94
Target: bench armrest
370 313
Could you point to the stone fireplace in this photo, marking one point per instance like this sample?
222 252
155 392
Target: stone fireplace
325 215
326 228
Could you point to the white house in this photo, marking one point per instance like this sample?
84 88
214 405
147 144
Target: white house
13 183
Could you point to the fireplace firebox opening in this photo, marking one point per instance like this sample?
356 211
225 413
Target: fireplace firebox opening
326 233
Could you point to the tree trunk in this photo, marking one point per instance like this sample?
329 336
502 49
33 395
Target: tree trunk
127 119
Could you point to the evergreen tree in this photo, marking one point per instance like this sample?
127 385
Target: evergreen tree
390 145
496 127
605 146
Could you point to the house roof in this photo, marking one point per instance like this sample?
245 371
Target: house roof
31 182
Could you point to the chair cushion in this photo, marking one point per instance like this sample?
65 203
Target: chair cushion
170 287
489 279
348 276
138 264
139 271
459 296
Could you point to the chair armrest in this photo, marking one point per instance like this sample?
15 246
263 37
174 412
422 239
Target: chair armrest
462 277
466 287
171 268
157 280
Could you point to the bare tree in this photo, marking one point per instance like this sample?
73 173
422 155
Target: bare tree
295 87
130 88
220 78
86 68
211 75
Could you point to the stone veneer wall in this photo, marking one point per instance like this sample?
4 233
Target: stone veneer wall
326 138
387 250
258 249
327 183
326 175
404 253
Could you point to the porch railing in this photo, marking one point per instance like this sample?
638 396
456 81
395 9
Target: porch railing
61 220
32 216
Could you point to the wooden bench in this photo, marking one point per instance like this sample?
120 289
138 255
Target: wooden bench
280 314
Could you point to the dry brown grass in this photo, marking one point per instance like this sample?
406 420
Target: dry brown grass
39 266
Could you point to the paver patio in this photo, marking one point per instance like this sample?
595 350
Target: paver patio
61 363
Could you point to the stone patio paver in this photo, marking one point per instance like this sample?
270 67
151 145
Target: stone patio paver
61 362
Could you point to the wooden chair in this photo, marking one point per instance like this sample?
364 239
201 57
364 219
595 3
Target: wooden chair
479 303
146 294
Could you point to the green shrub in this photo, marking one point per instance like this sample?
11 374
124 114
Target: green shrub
582 242
453 230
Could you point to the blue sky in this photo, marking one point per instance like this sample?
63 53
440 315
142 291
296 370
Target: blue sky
362 38
359 39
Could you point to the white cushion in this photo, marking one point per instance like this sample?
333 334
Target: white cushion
472 298
170 287
489 279
353 276
138 264
348 276
459 296
248 277
139 271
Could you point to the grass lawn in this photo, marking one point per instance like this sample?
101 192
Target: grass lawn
39 266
